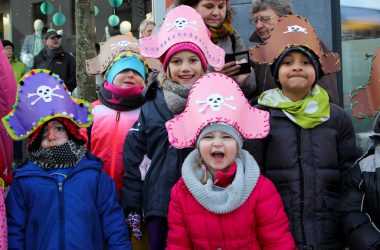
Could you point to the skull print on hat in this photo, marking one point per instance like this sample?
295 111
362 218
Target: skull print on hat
216 98
42 96
183 24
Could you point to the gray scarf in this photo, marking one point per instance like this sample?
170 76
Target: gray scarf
175 96
216 199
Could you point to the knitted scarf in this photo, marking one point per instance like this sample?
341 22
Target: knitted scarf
217 199
223 31
63 156
307 113
120 99
175 96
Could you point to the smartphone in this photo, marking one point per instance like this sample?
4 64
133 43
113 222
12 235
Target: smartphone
241 58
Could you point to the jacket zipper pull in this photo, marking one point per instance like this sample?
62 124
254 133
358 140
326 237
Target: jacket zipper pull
60 187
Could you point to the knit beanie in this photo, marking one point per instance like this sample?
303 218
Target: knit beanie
310 54
123 63
222 127
7 43
165 58
72 129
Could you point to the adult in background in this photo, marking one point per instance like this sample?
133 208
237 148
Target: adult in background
146 28
54 58
217 15
264 15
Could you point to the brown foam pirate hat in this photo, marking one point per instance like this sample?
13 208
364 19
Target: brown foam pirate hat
365 100
292 31
113 47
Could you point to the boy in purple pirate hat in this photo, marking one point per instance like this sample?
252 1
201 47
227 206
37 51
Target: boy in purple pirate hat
62 188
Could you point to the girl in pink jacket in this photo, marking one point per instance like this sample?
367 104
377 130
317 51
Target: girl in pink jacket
222 201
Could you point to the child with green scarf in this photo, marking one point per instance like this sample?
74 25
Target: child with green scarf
311 144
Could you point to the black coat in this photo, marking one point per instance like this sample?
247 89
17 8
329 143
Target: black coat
149 136
360 204
307 166
61 63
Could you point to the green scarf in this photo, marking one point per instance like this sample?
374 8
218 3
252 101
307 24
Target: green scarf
307 113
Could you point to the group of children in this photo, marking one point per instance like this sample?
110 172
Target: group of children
189 155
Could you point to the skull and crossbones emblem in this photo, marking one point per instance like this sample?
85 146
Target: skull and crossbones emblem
295 28
123 43
45 93
181 23
215 102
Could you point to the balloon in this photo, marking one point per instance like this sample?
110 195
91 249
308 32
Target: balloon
113 20
46 8
59 19
115 3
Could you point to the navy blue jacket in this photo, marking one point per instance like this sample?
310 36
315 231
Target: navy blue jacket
81 212
149 136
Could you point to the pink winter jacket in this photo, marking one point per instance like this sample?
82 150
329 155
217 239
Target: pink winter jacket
260 223
109 129
7 99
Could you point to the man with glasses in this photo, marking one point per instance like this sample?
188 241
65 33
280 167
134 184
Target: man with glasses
265 14
54 58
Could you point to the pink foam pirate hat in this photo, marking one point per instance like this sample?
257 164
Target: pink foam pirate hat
365 100
183 24
290 31
216 98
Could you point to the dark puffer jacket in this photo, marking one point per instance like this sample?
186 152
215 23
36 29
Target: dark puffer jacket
360 203
307 167
149 136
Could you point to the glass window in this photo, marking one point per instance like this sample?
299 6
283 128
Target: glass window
360 38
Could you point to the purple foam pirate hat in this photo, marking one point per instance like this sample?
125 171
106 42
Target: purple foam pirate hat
42 96
183 24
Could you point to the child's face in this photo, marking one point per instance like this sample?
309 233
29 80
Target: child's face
184 68
128 78
213 12
218 150
54 134
296 75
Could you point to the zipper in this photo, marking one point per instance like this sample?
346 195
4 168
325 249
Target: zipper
61 219
113 147
302 201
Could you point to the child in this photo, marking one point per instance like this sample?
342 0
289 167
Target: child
60 198
360 202
120 99
311 144
117 109
222 201
184 48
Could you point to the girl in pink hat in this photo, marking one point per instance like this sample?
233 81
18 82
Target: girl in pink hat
185 49
222 201
218 15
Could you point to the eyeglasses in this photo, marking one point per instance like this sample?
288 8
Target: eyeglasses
262 19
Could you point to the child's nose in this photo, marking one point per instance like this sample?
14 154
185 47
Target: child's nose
51 134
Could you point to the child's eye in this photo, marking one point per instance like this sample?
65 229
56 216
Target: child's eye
60 129
176 62
194 60
306 62
207 137
286 62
